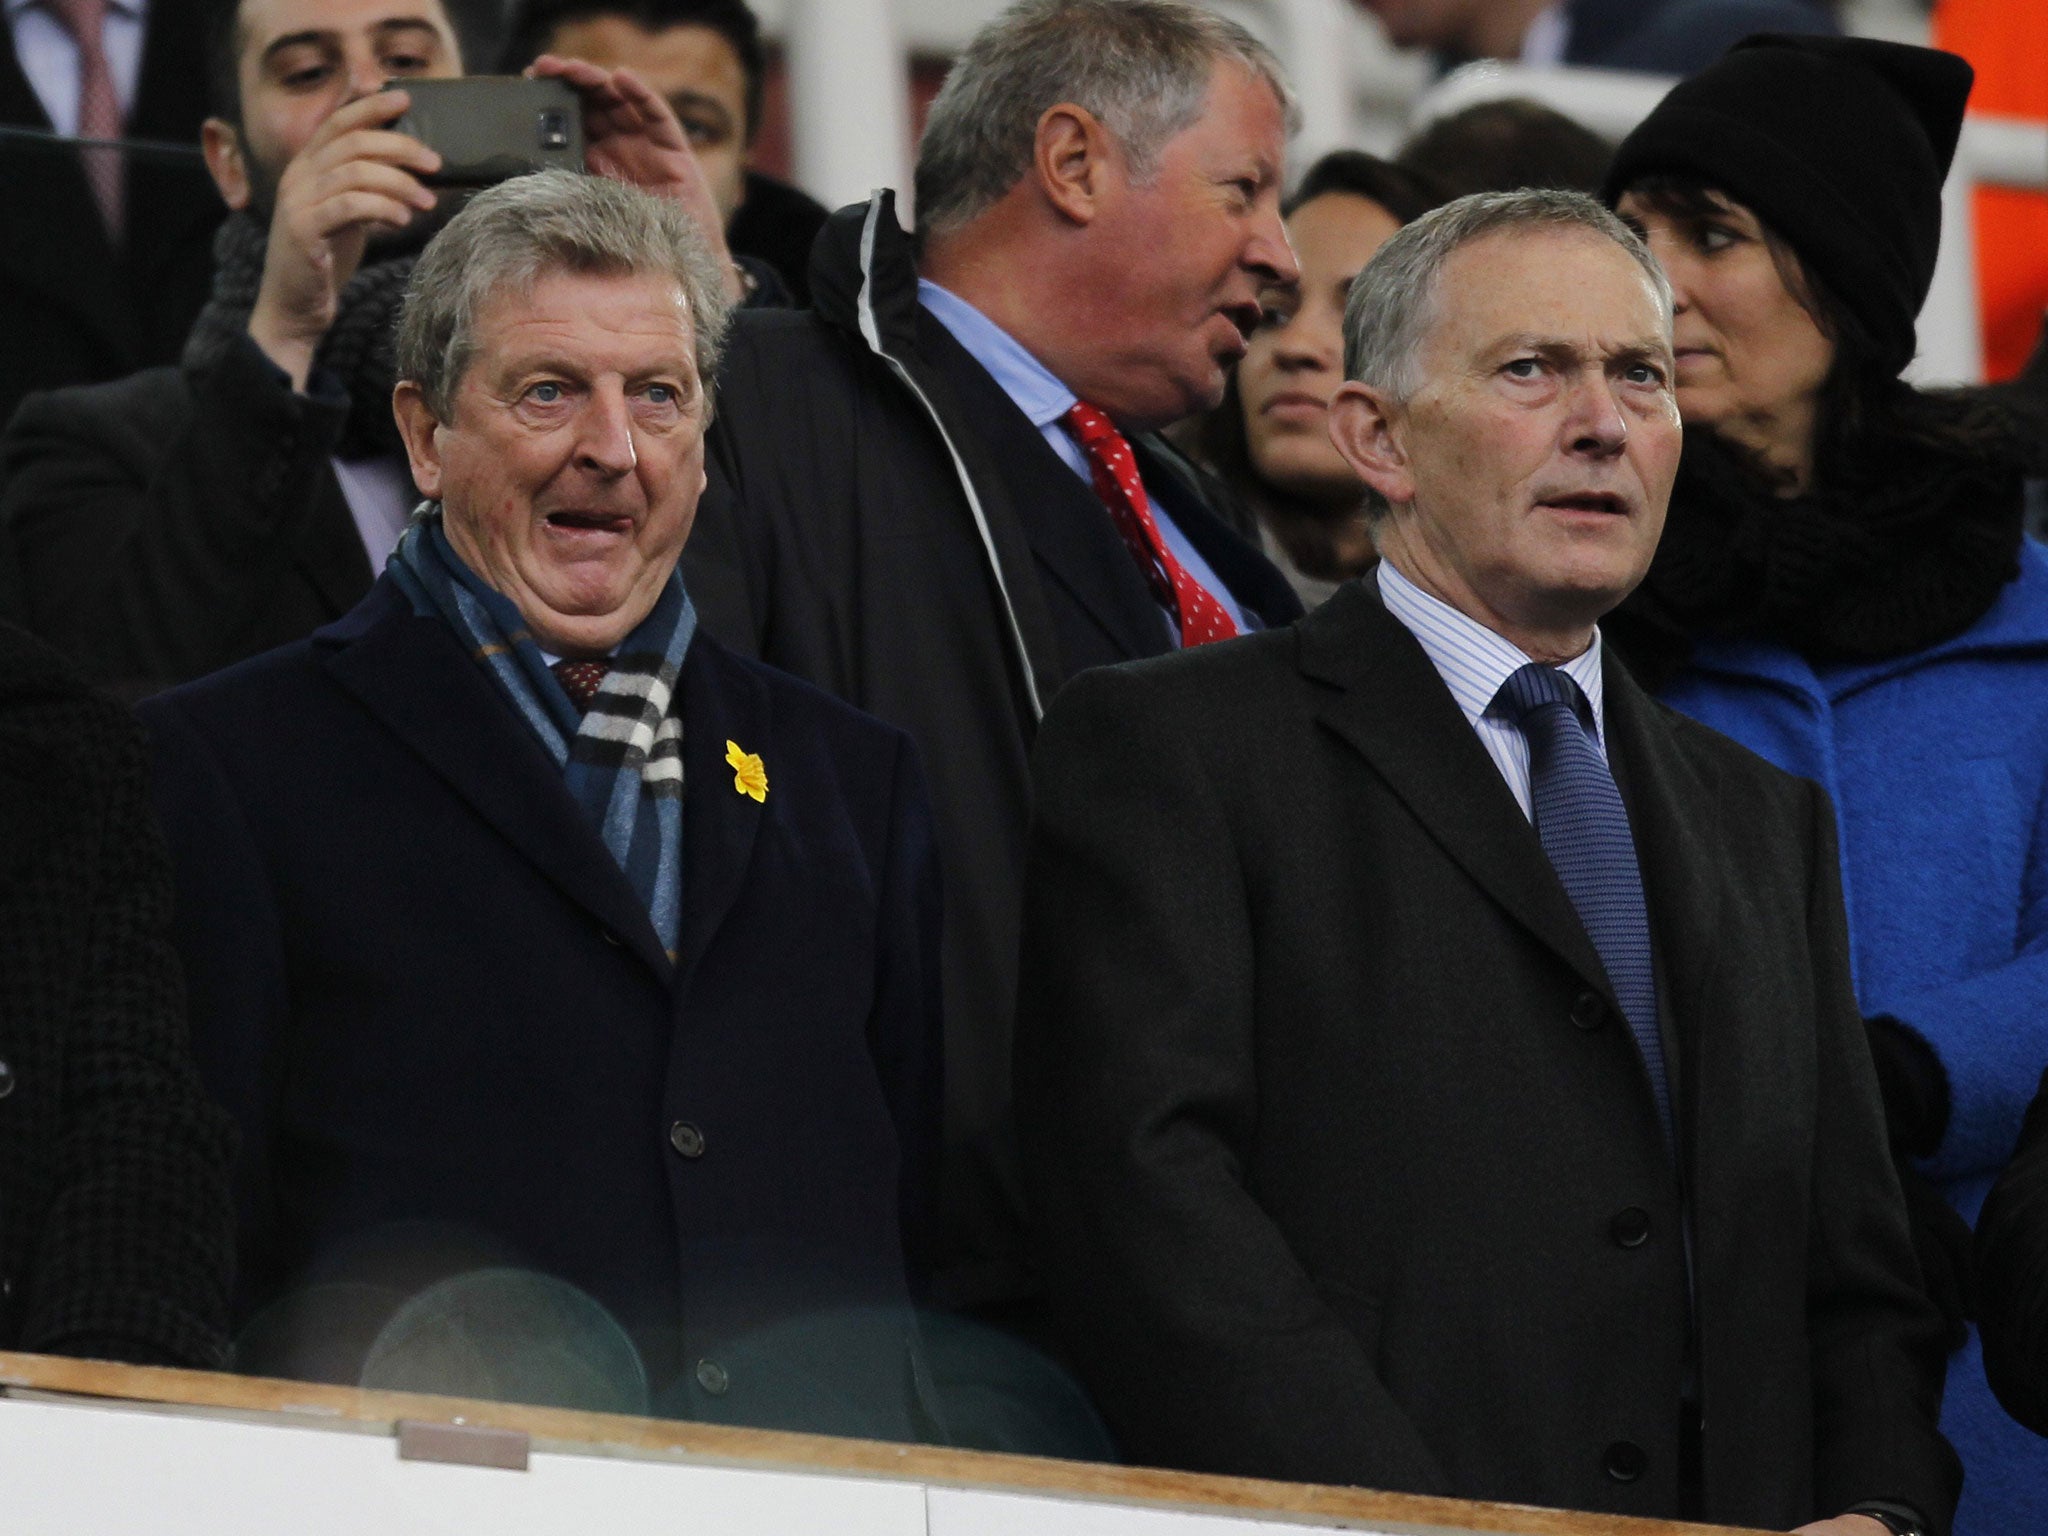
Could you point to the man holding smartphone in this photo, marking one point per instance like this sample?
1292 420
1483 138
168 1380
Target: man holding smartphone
178 520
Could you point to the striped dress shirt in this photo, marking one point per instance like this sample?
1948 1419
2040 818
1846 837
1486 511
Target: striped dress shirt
1473 661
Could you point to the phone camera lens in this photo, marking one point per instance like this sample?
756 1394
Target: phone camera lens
554 130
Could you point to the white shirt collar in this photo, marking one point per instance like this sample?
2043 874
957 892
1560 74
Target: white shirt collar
1029 383
1474 661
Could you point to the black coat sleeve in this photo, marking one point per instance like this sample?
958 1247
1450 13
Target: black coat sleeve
151 519
1180 1303
130 1257
2012 1272
1877 1351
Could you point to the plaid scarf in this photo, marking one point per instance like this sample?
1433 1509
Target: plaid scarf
623 760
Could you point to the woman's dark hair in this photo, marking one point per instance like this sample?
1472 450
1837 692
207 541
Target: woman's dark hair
1861 396
1219 440
1504 146
1406 194
533 22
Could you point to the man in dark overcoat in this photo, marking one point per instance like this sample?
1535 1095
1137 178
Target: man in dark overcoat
907 510
1438 1068
532 932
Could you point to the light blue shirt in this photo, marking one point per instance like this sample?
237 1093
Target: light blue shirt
1043 399
48 56
1474 662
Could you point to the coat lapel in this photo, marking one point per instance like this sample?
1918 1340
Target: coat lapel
329 551
1389 703
412 674
722 702
1069 531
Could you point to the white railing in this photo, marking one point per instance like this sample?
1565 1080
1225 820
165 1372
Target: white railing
1993 152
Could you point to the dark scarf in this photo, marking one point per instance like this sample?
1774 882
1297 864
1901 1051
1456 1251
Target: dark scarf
1904 544
359 349
623 758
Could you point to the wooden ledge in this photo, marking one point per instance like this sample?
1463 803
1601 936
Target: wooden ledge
562 1430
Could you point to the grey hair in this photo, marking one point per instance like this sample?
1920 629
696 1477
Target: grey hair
1392 303
1142 67
522 230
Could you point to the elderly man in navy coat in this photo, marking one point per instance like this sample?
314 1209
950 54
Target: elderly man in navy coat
572 981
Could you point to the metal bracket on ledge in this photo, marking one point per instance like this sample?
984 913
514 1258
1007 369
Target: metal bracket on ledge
469 1445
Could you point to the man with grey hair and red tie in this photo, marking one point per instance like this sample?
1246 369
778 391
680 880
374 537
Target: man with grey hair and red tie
940 492
1437 1062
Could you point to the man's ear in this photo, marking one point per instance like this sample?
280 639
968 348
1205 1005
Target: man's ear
1365 426
1071 159
226 161
418 425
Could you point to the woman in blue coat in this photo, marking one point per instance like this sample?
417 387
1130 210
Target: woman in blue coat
1844 587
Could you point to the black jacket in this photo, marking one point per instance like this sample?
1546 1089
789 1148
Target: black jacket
883 521
165 525
2012 1275
114 1229
1345 1166
74 310
776 224
451 1038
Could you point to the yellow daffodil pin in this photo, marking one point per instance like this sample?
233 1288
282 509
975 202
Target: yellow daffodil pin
749 777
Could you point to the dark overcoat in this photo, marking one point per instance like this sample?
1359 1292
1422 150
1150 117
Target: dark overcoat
114 1215
884 522
1346 1167
435 1005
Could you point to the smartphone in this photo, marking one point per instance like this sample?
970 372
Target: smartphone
490 128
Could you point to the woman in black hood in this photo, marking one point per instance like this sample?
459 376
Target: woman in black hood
1844 586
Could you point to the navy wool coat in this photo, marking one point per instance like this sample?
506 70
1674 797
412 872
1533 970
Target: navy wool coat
452 1041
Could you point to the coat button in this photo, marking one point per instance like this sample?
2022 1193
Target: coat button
6 1079
613 939
6 1289
1630 1227
686 1139
1590 1011
1624 1461
712 1378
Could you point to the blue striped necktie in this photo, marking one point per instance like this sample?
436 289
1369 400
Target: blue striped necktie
1584 830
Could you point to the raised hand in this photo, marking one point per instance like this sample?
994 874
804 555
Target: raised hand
354 175
630 133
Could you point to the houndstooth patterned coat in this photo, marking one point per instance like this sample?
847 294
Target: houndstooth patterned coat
115 1235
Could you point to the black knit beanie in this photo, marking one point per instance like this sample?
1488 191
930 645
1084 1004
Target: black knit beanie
1839 144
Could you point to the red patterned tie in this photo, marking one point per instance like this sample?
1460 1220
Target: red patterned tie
1201 617
580 680
99 106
